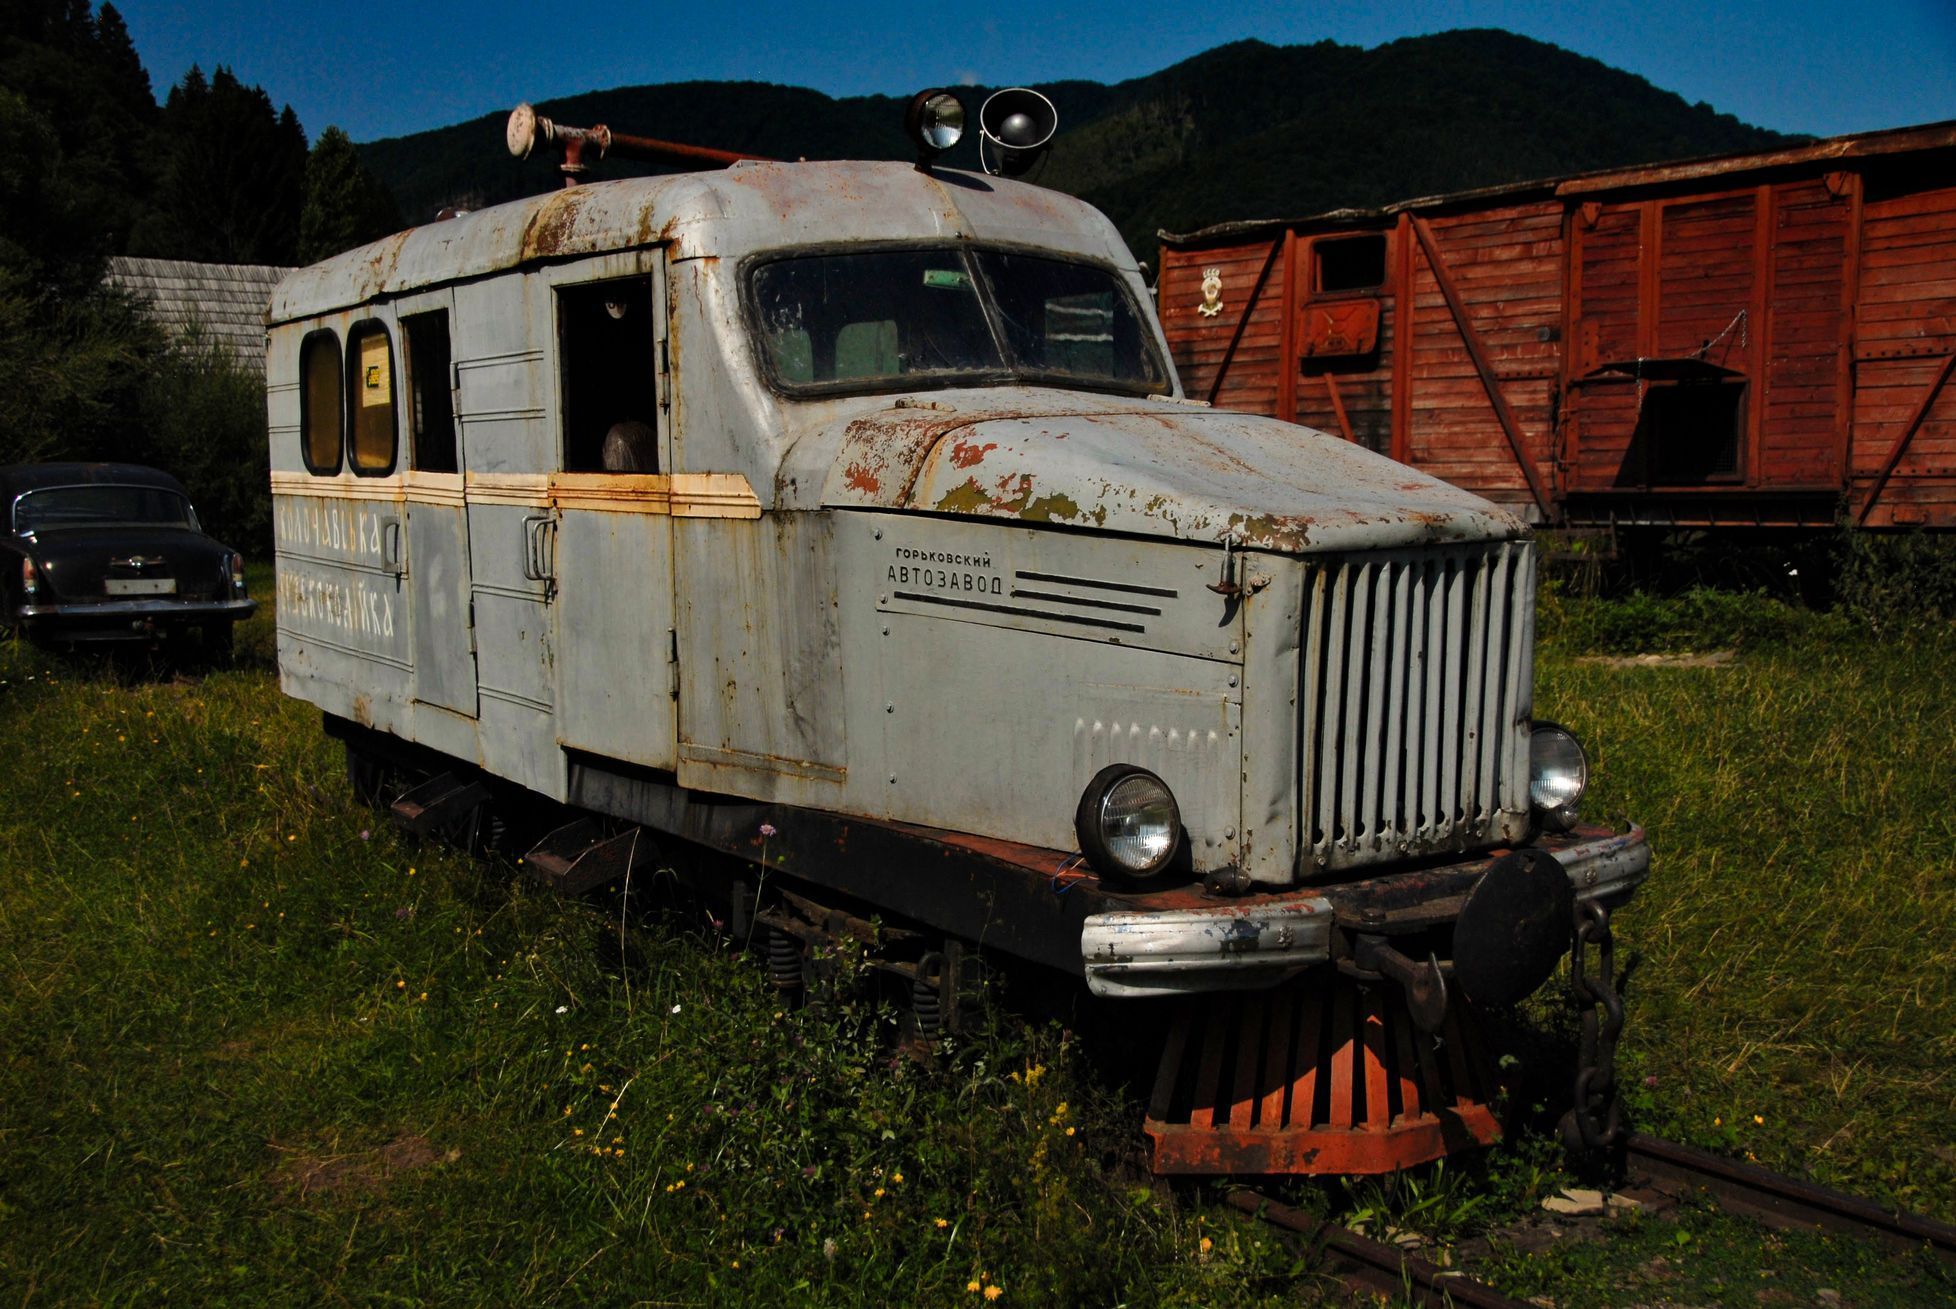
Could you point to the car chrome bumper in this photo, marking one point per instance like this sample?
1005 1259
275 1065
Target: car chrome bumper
116 618
1247 944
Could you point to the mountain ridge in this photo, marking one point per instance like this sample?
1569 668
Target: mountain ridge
1246 130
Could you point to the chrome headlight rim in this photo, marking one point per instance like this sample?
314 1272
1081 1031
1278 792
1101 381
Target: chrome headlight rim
1556 803
1130 796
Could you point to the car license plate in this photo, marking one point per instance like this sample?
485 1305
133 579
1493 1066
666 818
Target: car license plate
141 586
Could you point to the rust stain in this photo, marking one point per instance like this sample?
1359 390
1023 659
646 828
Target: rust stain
966 453
553 224
861 479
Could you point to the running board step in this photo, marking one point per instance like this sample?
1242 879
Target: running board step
437 802
1320 1075
584 855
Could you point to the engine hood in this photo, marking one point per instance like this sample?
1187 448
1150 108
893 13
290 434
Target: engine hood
1153 468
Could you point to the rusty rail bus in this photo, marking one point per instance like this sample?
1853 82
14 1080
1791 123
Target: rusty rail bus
859 504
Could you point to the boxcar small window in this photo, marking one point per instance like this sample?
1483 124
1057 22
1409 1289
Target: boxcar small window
1349 263
319 402
431 405
1692 432
606 344
370 380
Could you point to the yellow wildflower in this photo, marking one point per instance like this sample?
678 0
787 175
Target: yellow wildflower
993 1292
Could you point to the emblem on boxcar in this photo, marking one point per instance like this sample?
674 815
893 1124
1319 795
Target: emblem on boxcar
1211 293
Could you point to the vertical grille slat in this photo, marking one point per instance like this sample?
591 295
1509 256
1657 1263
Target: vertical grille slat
1494 683
1328 751
1474 715
1521 686
1415 686
1392 808
1432 712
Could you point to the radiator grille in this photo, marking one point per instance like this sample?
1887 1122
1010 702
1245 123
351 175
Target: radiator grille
1417 671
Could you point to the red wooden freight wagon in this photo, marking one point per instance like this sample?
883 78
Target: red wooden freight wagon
1762 339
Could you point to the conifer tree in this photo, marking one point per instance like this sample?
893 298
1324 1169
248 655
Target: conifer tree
345 206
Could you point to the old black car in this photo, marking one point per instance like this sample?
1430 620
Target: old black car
111 552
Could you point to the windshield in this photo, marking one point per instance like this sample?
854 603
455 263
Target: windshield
900 319
94 506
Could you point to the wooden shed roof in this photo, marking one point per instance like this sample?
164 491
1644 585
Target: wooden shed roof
1815 155
224 302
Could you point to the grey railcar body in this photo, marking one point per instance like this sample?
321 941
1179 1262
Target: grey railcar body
942 607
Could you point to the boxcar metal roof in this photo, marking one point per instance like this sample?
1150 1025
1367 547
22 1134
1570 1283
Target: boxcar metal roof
17 478
1863 145
727 213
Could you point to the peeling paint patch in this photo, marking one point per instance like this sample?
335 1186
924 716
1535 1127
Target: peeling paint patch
965 498
1048 508
966 453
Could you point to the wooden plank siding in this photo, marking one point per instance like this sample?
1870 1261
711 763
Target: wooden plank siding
1814 304
1905 328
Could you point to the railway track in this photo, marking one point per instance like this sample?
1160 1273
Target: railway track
1783 1202
1376 1267
1373 1267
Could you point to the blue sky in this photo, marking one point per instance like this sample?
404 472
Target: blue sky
1818 66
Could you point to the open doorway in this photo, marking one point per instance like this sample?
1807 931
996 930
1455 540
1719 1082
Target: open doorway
610 403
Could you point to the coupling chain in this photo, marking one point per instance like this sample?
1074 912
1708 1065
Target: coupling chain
1595 1122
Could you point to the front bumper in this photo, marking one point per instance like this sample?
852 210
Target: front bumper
126 620
1253 942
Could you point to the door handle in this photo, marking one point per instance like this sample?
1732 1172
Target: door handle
539 551
390 547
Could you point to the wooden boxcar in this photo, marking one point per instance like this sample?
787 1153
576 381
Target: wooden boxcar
1761 339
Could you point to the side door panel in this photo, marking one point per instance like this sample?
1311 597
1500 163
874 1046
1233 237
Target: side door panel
614 565
437 514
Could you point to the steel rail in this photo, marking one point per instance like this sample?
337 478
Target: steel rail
1785 1202
1373 1266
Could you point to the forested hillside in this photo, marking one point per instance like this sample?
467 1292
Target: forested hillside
1247 130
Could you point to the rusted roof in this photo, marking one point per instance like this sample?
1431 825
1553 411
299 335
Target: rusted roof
727 213
1863 145
225 303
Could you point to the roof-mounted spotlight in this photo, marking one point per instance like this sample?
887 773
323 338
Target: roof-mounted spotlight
1018 124
935 122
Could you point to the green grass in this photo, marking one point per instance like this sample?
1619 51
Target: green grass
259 1049
1797 997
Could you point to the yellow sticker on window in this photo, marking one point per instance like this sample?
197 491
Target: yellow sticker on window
376 385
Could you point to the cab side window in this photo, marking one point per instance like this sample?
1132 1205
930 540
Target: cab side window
319 402
370 383
607 352
431 404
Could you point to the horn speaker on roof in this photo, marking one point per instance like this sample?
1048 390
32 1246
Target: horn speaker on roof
1018 124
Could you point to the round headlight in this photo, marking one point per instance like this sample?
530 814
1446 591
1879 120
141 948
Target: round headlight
934 121
1128 822
1558 774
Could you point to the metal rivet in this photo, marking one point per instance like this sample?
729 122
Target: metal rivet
1232 680
1229 834
879 533
1232 647
889 708
893 777
886 631
881 599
